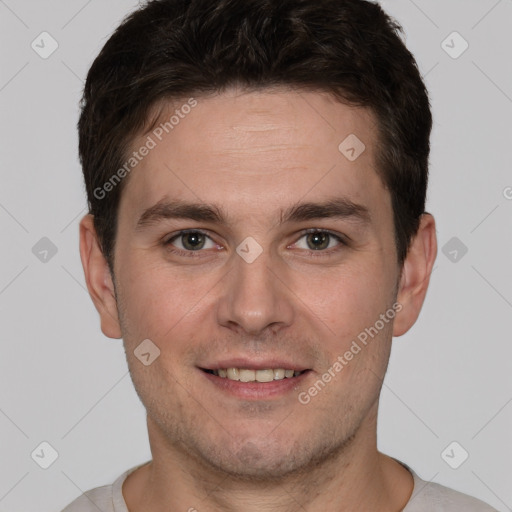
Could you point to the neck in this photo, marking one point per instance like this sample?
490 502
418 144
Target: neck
356 477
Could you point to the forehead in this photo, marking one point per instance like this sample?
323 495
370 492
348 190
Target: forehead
252 152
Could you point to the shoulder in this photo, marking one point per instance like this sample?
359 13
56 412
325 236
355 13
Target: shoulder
107 498
98 498
427 496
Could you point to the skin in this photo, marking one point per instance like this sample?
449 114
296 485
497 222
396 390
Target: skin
254 154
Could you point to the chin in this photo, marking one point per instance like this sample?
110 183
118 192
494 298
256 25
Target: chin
254 461
266 458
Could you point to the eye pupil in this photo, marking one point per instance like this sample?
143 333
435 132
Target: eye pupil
196 238
322 237
194 241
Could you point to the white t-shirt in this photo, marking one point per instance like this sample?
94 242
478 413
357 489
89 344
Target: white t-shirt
426 497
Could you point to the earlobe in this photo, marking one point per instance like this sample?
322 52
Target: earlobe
415 276
98 278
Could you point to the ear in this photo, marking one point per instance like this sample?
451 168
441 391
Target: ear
415 276
98 278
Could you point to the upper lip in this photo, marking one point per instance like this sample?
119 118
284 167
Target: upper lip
254 364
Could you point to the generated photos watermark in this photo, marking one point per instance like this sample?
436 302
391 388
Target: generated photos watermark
305 397
137 156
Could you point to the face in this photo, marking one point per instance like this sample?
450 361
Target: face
257 282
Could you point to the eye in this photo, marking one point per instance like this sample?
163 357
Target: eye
319 240
189 241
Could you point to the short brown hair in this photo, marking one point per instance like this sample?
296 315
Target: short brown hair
169 49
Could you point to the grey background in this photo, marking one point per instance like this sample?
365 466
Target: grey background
63 382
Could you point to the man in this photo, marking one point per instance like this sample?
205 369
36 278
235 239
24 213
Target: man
256 174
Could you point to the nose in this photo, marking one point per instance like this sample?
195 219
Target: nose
255 295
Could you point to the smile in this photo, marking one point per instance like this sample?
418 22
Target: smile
247 375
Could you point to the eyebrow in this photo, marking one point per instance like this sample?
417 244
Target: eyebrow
338 207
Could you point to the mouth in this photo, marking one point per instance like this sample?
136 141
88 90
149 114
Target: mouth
256 378
249 375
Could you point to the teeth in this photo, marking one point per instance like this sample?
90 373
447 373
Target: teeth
265 375
246 375
279 374
233 374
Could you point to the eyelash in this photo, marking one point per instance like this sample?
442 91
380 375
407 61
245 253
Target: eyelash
197 254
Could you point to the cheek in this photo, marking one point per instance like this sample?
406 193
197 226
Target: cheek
159 303
145 302
348 300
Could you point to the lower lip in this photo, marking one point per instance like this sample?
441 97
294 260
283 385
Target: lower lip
257 390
